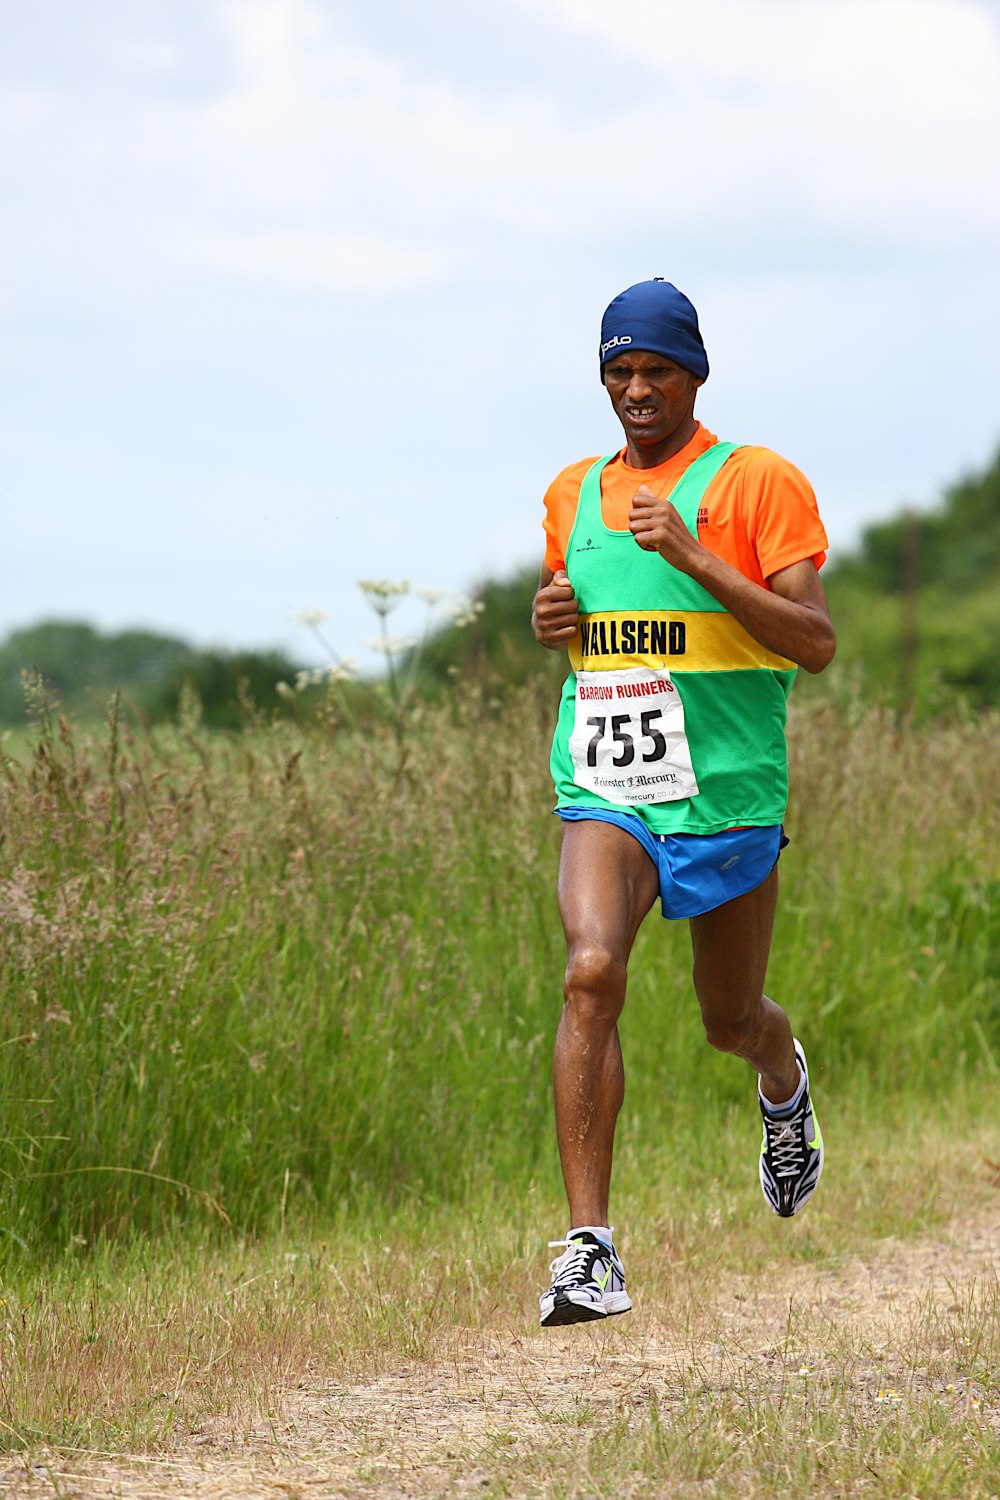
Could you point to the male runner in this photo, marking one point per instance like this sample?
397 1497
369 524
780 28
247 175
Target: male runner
682 575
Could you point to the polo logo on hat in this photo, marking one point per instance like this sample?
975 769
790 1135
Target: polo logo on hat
619 338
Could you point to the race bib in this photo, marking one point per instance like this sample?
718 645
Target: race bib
628 743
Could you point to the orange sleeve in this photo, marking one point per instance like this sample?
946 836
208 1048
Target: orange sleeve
561 500
781 513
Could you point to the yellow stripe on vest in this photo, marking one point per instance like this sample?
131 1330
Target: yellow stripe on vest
685 640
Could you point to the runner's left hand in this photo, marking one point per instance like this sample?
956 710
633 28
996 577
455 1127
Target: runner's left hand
657 527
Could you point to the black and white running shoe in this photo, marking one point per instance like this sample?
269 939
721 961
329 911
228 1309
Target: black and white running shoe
588 1282
791 1158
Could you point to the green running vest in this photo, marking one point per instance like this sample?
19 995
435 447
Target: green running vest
637 610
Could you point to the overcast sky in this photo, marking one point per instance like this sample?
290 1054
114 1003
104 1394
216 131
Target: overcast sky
300 292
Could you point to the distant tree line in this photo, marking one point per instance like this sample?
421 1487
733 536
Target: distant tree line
82 669
917 604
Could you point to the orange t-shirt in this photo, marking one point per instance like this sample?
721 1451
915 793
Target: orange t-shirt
759 513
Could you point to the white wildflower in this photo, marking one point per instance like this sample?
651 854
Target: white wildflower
466 611
310 617
430 596
284 690
383 594
392 645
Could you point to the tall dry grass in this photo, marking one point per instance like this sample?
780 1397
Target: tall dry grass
296 975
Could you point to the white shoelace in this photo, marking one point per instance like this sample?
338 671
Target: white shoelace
570 1268
784 1139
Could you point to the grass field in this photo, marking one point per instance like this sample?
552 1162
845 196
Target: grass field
278 1014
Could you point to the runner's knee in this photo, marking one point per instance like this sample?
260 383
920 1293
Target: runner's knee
732 1033
594 986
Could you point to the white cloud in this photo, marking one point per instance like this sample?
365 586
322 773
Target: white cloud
302 84
867 118
24 110
316 159
313 260
928 57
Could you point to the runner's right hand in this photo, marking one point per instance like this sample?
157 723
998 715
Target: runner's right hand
555 615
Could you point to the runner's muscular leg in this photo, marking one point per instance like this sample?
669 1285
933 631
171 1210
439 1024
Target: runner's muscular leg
607 883
731 947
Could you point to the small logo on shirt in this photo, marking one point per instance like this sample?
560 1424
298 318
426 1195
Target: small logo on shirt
703 515
589 547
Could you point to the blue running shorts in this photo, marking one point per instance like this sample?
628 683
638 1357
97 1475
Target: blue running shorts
698 871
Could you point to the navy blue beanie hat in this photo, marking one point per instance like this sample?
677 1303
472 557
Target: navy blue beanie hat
654 315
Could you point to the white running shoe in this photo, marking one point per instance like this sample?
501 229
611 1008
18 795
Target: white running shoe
588 1282
791 1158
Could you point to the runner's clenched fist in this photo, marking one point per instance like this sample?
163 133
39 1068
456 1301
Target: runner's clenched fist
555 614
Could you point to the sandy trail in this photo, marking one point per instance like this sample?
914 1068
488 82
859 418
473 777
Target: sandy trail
436 1430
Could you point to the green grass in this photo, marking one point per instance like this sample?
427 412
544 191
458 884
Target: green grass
282 977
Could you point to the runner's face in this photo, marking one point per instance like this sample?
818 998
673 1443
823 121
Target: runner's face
653 399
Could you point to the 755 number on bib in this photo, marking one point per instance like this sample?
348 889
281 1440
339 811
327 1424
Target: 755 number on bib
621 728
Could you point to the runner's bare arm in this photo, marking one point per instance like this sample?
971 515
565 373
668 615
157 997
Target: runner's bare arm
555 617
791 617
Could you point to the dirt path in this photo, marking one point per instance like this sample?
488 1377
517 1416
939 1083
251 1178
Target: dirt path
505 1402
